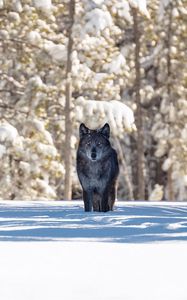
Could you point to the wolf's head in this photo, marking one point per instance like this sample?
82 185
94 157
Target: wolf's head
94 143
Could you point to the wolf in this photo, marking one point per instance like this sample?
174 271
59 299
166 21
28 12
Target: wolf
97 168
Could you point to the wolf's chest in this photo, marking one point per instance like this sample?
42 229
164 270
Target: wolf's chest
97 169
95 180
94 174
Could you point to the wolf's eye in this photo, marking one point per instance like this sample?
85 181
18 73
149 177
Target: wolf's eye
88 143
99 144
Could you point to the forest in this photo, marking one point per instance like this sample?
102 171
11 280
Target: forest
64 62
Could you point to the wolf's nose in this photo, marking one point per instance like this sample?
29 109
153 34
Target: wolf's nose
93 155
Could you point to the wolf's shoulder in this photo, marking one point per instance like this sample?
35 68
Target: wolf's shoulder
114 153
114 160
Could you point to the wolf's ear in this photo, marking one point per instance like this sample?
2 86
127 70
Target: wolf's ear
83 130
105 130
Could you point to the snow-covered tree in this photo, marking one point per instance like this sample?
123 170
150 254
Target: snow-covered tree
34 39
169 129
30 162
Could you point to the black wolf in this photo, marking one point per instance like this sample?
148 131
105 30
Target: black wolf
97 168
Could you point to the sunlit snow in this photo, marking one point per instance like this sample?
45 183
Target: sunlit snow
54 250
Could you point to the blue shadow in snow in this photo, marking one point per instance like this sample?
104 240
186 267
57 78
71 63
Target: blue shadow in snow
130 224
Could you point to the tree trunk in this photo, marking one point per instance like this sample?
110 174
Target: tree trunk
125 170
169 86
139 116
68 108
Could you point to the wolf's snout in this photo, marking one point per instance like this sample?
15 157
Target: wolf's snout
93 155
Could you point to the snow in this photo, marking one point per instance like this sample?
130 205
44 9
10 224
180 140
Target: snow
43 4
116 64
157 193
36 82
54 250
118 114
2 150
162 6
97 20
147 61
122 9
8 133
43 186
47 150
57 52
38 126
17 6
66 221
167 164
141 5
34 37
1 4
14 16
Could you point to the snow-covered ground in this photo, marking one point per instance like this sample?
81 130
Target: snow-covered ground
54 250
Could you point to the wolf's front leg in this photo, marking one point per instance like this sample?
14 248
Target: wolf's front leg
104 201
112 195
96 202
88 200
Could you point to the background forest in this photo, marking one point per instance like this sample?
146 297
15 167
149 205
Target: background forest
93 61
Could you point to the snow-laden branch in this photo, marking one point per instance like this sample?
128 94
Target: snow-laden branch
97 20
141 5
8 133
94 113
44 5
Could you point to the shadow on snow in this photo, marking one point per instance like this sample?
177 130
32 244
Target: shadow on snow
127 224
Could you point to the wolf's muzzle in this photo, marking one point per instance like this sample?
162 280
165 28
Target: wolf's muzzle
93 155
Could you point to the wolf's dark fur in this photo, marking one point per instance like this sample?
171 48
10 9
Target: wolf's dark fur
97 168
